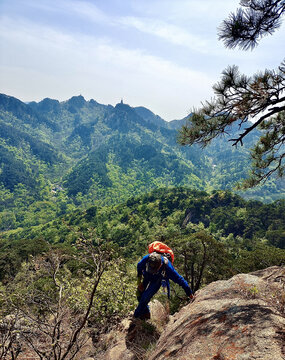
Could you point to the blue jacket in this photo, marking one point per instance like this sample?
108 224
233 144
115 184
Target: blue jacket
166 272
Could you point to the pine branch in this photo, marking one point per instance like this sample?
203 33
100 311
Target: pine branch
248 130
251 22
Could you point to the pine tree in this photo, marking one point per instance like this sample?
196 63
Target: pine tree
257 101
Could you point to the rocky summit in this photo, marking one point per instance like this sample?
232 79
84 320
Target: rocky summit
242 318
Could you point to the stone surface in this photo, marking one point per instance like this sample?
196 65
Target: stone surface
115 342
132 339
237 319
159 314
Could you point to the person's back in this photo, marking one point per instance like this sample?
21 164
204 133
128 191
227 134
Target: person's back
152 270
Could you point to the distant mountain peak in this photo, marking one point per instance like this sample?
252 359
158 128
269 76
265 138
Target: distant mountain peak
149 116
49 100
177 124
93 102
130 137
48 104
7 100
77 101
18 108
123 106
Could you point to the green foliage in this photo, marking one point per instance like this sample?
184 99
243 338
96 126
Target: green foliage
75 172
14 171
115 296
86 172
16 138
24 208
214 236
260 257
56 300
229 223
12 254
201 258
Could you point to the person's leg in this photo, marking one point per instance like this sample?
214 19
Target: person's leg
142 309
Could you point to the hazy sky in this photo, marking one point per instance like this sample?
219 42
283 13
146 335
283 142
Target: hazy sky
161 54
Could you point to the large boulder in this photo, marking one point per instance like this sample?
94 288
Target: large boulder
237 319
159 314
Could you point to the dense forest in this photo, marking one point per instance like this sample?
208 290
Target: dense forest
236 224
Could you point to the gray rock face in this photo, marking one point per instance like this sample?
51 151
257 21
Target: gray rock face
238 319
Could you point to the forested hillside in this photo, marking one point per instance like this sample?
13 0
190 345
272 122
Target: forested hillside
248 232
56 156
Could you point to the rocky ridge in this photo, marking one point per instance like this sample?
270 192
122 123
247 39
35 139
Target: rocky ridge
242 318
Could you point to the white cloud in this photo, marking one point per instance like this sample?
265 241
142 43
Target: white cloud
151 25
81 8
185 11
171 33
96 68
87 10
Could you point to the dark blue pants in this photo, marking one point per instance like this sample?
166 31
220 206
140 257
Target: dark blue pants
142 308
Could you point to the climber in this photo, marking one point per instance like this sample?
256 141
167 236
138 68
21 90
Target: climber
153 269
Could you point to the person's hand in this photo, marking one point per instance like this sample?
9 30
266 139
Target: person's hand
140 290
140 287
191 297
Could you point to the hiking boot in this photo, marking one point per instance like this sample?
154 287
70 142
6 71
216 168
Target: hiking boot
145 316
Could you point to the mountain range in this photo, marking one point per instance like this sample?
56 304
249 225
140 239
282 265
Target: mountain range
104 154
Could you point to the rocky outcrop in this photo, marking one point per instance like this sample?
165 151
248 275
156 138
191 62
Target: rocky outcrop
242 318
237 319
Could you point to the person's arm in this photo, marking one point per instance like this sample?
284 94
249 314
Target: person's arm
140 268
141 265
178 279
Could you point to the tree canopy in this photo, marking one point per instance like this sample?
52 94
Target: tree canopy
251 102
